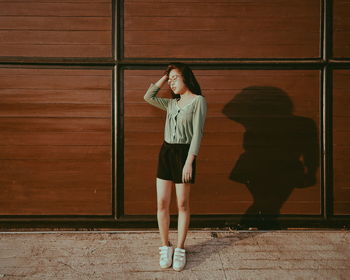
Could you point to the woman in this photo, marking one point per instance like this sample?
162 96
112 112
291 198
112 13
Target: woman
184 125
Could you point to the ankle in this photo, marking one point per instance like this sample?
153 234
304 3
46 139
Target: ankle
167 244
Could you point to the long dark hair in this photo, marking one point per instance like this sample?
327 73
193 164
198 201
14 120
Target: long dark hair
188 78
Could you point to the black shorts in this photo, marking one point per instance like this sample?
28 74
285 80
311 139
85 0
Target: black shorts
172 158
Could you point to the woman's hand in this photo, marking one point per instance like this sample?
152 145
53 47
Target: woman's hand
187 173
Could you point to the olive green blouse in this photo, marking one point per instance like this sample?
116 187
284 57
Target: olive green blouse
183 124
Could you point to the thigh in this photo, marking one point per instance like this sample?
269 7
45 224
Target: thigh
164 190
164 164
183 192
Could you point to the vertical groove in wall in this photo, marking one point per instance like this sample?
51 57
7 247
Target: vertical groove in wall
119 156
120 143
120 30
114 142
328 140
326 101
115 30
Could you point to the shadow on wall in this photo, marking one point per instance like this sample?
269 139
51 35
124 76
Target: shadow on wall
281 152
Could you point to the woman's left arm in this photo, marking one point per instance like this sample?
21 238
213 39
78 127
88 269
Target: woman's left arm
199 116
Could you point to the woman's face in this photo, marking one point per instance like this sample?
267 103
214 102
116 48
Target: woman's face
176 82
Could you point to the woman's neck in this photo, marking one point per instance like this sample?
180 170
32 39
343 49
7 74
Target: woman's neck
186 94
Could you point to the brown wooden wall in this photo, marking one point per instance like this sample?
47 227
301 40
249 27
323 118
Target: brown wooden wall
222 29
341 102
214 191
56 28
55 142
77 138
341 28
341 141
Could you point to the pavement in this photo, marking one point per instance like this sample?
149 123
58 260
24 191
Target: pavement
211 254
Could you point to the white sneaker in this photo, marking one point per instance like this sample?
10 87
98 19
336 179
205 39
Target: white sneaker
166 256
179 261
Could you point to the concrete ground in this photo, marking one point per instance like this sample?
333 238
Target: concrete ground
316 254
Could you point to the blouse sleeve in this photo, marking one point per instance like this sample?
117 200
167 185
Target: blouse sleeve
199 116
151 98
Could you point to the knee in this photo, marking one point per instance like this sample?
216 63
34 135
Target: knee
183 206
163 205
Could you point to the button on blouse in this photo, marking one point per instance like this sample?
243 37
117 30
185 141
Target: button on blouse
183 124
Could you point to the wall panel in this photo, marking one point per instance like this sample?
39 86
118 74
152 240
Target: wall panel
341 140
55 142
221 29
214 191
341 28
56 28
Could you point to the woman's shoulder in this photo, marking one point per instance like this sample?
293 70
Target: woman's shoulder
201 99
198 97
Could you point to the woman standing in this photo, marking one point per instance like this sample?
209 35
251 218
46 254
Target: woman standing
186 113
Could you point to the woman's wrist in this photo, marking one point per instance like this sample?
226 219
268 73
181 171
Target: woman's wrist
190 159
161 81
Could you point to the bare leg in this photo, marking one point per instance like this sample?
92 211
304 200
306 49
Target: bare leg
183 204
163 204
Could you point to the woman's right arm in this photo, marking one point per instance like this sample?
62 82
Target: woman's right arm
152 91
